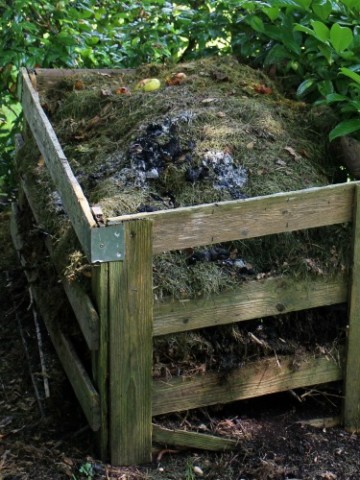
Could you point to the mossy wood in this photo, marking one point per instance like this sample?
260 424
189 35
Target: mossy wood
76 373
182 438
81 303
249 218
261 378
255 299
352 377
126 397
130 341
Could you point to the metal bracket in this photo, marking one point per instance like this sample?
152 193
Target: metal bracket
107 244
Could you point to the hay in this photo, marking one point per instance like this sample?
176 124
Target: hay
214 137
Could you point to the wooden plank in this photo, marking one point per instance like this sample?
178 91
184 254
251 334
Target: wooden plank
254 380
254 299
83 308
352 376
253 217
76 373
100 287
130 339
85 313
182 438
73 198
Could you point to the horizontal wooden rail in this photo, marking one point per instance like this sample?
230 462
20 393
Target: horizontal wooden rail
76 373
73 198
182 438
83 308
253 299
254 380
254 217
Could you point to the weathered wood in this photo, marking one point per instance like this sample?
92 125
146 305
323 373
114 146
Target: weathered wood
352 376
254 380
130 338
76 373
83 308
100 288
182 438
85 313
249 218
73 198
254 299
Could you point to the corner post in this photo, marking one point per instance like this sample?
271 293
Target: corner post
352 374
100 358
130 344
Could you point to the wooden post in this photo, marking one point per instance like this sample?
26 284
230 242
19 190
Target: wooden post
130 340
100 358
352 375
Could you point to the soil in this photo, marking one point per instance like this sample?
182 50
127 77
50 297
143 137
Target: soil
48 438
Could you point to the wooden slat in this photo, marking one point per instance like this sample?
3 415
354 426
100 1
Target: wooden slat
85 313
100 287
254 380
130 339
254 299
73 198
77 375
253 217
83 308
182 438
352 377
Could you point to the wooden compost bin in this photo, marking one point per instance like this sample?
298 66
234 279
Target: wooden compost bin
120 320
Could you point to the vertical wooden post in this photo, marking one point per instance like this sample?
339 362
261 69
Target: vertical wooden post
100 360
352 374
130 340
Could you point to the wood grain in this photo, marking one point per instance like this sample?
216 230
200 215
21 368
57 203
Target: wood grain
352 377
182 438
254 299
130 338
73 198
249 218
254 380
100 288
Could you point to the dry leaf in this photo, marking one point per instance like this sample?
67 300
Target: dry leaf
208 100
263 89
176 79
250 145
79 85
221 114
122 91
292 152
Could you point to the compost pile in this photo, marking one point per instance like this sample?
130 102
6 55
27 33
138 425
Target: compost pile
215 130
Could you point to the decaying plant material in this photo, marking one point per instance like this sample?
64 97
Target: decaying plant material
214 130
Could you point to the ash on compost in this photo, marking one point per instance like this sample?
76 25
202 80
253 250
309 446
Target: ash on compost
224 132
215 130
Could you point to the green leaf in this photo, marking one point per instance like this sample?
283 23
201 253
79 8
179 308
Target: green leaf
321 30
305 86
336 97
272 12
351 74
345 128
340 37
256 23
322 8
304 3
325 87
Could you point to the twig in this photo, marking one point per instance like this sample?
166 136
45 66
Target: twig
33 380
41 355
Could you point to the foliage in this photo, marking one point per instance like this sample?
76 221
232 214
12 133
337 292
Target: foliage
307 41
